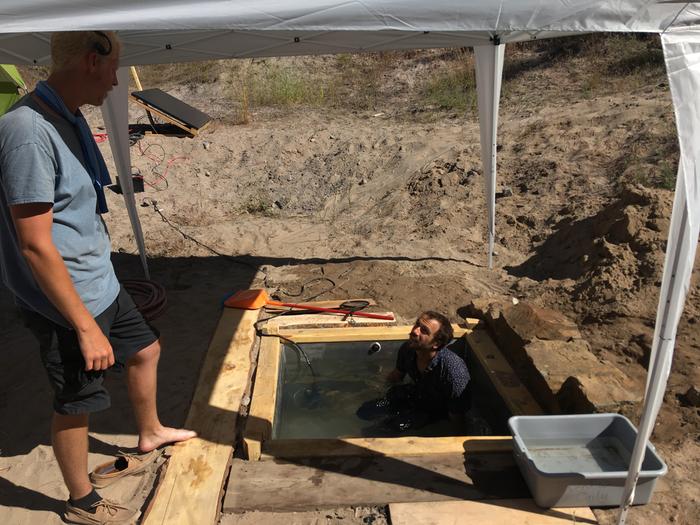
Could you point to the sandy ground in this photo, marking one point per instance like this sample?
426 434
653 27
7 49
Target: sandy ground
381 205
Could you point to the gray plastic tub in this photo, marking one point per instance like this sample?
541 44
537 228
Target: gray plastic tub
581 460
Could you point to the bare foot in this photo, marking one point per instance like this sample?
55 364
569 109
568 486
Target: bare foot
163 436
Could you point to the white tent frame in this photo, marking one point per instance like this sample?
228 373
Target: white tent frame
161 31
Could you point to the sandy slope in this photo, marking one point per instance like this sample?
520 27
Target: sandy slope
389 207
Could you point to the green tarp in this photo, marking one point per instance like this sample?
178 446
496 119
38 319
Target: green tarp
10 84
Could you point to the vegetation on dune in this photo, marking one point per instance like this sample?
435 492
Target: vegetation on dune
429 84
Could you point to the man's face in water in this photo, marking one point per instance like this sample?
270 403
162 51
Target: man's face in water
422 336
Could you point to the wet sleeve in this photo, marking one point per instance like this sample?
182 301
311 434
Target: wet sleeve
456 385
402 359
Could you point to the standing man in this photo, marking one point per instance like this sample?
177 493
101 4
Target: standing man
439 379
55 258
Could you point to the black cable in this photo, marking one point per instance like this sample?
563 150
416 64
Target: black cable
154 204
303 286
295 346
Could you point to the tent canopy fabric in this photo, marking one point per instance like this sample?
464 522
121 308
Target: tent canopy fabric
165 31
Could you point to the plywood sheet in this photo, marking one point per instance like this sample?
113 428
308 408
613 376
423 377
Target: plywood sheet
375 480
492 512
190 490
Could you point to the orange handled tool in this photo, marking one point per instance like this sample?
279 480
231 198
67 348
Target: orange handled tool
257 298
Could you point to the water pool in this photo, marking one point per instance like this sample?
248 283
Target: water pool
322 404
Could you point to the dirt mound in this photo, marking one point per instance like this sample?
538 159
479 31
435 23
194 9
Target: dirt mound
614 257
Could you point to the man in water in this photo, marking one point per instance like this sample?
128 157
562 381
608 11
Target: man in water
439 379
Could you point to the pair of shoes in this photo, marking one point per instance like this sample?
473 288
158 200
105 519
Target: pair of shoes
102 512
374 409
125 464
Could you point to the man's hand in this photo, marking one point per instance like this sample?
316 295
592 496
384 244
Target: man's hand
96 349
33 223
395 376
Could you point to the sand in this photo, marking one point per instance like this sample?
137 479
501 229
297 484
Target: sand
381 205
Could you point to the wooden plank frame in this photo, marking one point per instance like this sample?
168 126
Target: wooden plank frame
517 398
492 512
258 433
190 491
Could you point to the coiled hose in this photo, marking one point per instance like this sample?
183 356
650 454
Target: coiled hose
149 296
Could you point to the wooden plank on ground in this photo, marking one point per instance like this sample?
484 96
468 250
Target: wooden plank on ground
518 399
395 447
262 409
190 491
306 321
283 485
330 335
491 512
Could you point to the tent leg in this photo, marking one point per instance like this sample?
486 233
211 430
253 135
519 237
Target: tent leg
489 72
116 116
681 52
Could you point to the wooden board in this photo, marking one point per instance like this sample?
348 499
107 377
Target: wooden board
330 335
395 447
262 409
306 321
374 480
492 512
518 399
190 491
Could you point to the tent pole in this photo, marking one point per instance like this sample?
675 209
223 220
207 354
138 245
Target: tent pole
489 71
681 52
116 116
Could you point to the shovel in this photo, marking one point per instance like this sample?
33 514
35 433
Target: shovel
257 298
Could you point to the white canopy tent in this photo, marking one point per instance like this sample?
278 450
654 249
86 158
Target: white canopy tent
163 31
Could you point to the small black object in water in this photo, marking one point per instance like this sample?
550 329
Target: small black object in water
374 348
308 397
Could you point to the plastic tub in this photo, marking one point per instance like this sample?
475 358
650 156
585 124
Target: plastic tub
581 460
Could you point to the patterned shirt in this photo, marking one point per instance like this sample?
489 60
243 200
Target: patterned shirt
442 386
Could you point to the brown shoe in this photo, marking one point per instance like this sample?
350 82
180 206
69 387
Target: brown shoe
102 512
124 464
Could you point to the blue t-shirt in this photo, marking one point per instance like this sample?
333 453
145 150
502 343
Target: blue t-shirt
41 161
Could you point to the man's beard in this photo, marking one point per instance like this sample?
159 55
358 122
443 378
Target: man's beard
414 344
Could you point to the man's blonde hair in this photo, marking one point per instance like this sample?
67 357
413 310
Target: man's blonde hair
67 47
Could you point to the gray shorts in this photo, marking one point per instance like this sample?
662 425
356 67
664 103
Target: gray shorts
76 390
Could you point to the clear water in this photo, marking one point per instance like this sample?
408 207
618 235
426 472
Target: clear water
346 377
600 454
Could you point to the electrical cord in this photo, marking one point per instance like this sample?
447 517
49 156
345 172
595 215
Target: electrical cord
295 346
303 286
154 204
